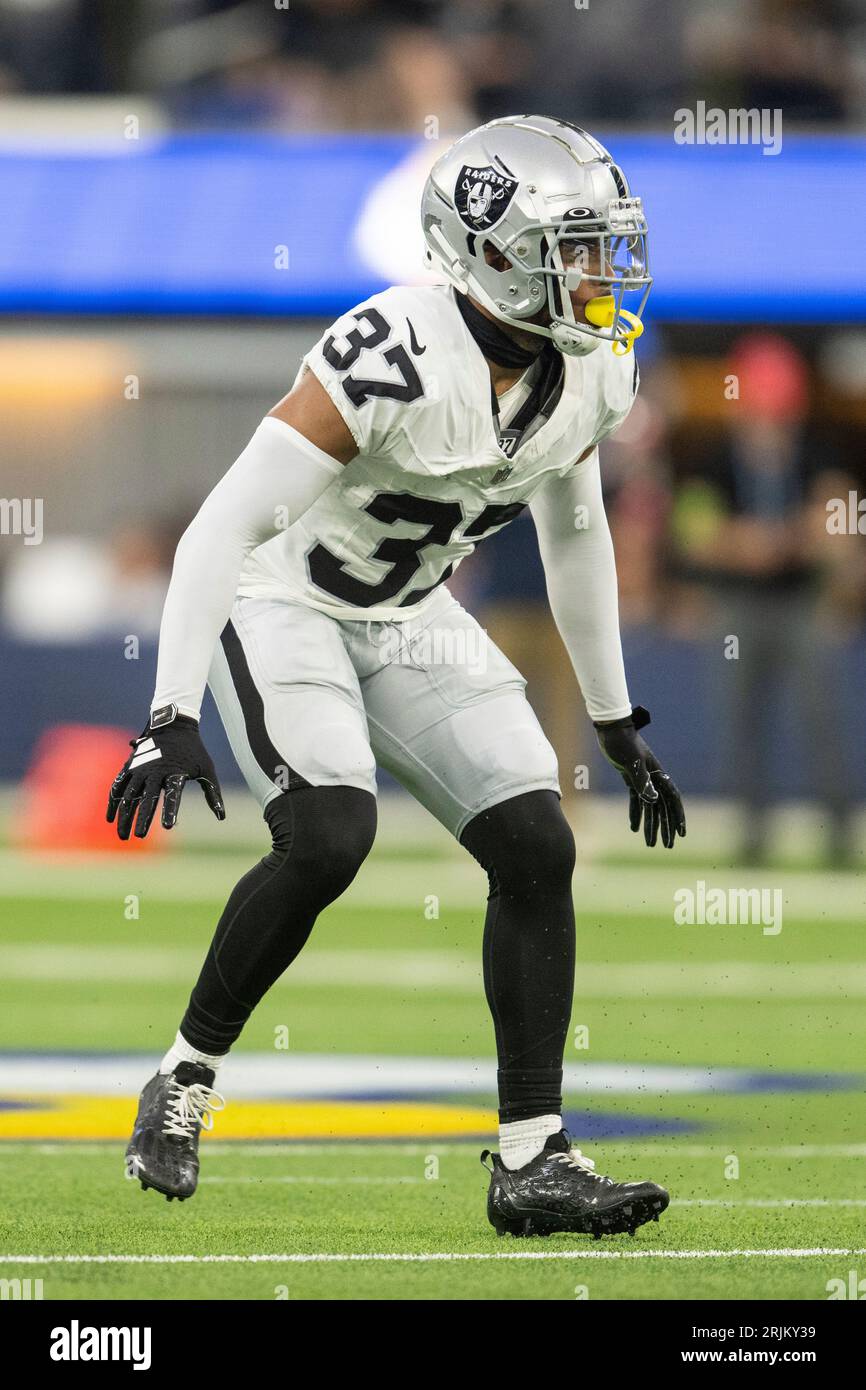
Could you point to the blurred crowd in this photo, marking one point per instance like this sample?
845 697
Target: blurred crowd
733 534
717 487
392 64
733 492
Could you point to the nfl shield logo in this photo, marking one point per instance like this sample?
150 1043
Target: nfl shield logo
482 196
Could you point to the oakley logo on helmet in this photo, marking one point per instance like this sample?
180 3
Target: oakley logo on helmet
482 196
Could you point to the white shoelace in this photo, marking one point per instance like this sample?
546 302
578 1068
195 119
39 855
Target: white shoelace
189 1106
575 1159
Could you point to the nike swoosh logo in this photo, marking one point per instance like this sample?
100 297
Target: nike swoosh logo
413 341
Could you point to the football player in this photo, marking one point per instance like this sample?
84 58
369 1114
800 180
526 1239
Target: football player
309 593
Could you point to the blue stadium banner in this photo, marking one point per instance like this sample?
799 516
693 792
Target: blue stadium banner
265 225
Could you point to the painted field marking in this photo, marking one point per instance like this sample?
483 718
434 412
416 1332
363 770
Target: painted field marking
448 971
305 1179
283 1149
762 1202
445 1257
346 1077
769 1202
598 888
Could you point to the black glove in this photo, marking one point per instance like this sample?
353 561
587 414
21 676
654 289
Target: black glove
163 759
652 794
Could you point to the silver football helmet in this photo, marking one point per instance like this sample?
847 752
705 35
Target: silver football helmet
549 197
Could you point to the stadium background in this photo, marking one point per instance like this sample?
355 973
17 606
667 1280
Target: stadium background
190 193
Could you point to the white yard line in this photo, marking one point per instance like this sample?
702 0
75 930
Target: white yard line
769 1202
432 1257
317 1076
618 891
448 971
761 1202
311 1179
119 963
754 1151
283 1149
307 1179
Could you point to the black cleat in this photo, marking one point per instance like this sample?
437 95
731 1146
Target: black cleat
559 1190
173 1109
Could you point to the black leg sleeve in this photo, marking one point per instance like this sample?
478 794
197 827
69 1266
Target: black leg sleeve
526 846
321 836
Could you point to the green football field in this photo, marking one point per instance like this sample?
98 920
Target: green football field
725 1062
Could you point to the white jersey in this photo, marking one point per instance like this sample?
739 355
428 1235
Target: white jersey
430 479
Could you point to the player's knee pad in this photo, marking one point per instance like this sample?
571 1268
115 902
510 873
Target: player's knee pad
321 836
525 844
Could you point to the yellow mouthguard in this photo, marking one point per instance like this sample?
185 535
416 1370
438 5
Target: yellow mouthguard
601 311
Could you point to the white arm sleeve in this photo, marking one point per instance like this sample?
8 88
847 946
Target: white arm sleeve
279 475
577 554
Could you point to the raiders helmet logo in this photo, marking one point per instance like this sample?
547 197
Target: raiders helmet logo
482 197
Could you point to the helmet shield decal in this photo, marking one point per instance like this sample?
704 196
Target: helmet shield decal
482 196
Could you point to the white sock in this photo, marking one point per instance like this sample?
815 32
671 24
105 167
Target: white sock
523 1140
181 1051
